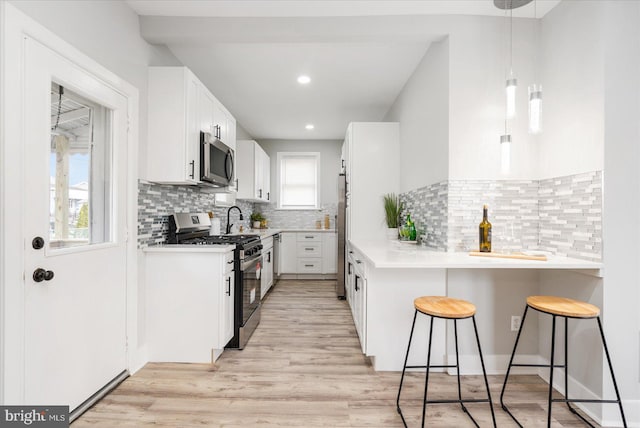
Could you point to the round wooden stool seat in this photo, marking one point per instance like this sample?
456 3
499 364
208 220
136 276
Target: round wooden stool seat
563 306
444 307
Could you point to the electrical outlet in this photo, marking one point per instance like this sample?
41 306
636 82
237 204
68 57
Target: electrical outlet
515 322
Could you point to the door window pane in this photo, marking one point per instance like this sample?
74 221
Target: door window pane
80 166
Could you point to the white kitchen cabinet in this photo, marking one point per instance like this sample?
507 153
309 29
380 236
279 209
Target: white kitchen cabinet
227 311
254 169
288 253
267 266
329 253
180 106
358 300
190 311
367 144
173 126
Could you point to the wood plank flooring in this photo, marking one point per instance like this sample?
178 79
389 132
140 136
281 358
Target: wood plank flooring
303 368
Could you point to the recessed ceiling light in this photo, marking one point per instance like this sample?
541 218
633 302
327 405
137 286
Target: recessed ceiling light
309 126
303 80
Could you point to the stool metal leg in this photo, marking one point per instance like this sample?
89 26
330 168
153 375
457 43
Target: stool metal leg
455 334
484 371
553 346
513 354
426 380
404 368
613 377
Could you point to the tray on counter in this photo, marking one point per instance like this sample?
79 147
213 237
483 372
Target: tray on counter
520 256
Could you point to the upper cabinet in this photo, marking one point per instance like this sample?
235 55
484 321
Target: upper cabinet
254 172
180 106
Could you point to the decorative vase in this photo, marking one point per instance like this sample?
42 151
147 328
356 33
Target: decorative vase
392 233
256 225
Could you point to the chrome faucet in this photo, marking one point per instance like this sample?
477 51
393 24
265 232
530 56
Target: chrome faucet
230 224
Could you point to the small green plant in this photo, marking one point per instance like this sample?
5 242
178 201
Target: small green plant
392 209
257 216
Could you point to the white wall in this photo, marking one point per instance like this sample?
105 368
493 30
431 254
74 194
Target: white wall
422 109
621 225
572 77
241 133
330 151
478 58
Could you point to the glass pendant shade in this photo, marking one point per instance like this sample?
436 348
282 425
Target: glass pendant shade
505 153
535 109
512 84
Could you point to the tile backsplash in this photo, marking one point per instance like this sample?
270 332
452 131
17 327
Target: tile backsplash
157 201
562 215
297 219
428 207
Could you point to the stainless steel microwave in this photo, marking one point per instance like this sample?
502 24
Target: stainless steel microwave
216 161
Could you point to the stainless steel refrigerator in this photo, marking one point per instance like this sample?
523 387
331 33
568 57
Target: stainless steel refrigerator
341 226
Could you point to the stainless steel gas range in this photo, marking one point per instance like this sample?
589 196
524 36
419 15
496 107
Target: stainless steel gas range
193 229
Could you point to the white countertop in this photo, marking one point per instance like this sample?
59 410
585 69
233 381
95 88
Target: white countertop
393 254
176 248
269 232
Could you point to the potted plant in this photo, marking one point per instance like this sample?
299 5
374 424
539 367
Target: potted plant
257 219
392 208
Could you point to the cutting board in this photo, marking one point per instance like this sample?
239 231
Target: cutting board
519 256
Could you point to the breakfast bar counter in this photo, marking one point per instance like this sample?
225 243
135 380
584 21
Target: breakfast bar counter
384 278
396 254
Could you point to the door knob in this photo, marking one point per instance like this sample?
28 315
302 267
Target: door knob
37 243
40 275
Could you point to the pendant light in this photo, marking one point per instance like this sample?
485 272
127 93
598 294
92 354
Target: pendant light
505 151
535 90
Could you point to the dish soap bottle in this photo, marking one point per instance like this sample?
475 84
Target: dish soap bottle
412 228
485 232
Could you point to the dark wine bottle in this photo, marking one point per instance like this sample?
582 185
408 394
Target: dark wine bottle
485 232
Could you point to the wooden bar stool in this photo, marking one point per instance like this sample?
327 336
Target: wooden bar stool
447 309
565 308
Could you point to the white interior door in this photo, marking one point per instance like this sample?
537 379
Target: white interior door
75 201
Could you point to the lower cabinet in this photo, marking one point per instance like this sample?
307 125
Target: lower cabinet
227 311
266 280
308 253
190 303
356 293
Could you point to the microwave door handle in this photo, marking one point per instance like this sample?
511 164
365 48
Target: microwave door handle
205 161
228 166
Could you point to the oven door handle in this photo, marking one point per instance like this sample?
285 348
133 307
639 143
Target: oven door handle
247 263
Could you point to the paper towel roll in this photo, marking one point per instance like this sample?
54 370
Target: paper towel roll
215 227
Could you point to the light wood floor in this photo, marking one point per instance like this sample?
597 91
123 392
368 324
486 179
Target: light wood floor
303 368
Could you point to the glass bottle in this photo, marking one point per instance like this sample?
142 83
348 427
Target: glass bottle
485 232
412 228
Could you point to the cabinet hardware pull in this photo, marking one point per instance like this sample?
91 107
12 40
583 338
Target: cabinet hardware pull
349 270
260 193
358 261
357 277
228 292
268 198
230 262
309 249
193 169
308 237
308 265
269 257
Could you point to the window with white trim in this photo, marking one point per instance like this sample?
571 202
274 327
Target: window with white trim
298 180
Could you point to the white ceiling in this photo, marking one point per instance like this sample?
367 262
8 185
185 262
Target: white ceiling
359 55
